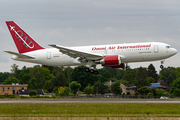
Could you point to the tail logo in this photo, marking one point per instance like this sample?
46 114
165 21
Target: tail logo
19 35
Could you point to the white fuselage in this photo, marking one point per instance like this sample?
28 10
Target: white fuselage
131 52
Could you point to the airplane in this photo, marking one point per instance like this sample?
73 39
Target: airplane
113 55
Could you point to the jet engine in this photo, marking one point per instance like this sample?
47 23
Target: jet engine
111 60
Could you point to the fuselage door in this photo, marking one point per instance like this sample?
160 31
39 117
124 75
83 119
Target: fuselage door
48 55
156 49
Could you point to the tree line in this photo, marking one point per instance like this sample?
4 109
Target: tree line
67 80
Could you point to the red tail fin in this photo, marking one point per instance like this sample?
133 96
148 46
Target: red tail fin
23 41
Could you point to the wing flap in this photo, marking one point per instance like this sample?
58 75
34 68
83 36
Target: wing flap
20 55
76 53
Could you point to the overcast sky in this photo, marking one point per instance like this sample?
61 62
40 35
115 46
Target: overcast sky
91 22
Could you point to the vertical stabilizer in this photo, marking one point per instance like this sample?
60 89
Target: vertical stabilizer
23 41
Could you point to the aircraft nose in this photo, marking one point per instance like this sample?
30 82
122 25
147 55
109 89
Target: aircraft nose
174 51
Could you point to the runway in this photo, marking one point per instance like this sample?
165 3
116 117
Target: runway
89 101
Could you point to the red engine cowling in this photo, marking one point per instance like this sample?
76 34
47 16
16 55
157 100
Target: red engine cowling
112 60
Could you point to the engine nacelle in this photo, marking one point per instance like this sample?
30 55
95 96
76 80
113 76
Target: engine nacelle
111 60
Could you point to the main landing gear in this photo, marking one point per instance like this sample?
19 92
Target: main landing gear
162 62
91 71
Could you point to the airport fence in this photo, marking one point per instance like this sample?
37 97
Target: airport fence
115 96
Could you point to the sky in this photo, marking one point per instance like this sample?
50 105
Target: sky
91 22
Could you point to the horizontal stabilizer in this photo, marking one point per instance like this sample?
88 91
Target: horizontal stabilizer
20 55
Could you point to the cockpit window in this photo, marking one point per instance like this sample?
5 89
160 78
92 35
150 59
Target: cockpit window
168 46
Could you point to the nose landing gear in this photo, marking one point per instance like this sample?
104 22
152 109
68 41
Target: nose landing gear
162 62
161 66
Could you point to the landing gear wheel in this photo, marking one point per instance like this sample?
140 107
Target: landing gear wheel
87 69
161 66
91 71
96 72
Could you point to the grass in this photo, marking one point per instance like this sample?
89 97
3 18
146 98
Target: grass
86 99
89 109
89 118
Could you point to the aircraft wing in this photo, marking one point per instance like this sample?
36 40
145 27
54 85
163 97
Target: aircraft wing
20 55
77 53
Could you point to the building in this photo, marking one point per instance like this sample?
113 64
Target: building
22 92
126 89
40 92
109 83
11 89
160 85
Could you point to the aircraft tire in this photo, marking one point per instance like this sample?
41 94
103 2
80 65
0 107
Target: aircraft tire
96 72
91 71
161 66
87 69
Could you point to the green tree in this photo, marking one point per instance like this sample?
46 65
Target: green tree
59 80
68 71
32 93
47 73
160 92
176 92
14 71
84 78
175 85
4 75
41 75
74 86
104 74
116 88
1 80
144 90
46 85
124 82
98 88
55 90
50 68
112 79
152 72
32 83
56 70
67 91
150 94
112 71
128 93
38 73
24 75
149 80
11 80
165 72
129 76
141 75
178 72
119 73
169 80
88 90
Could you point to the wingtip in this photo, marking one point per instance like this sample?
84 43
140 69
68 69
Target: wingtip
51 44
6 51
